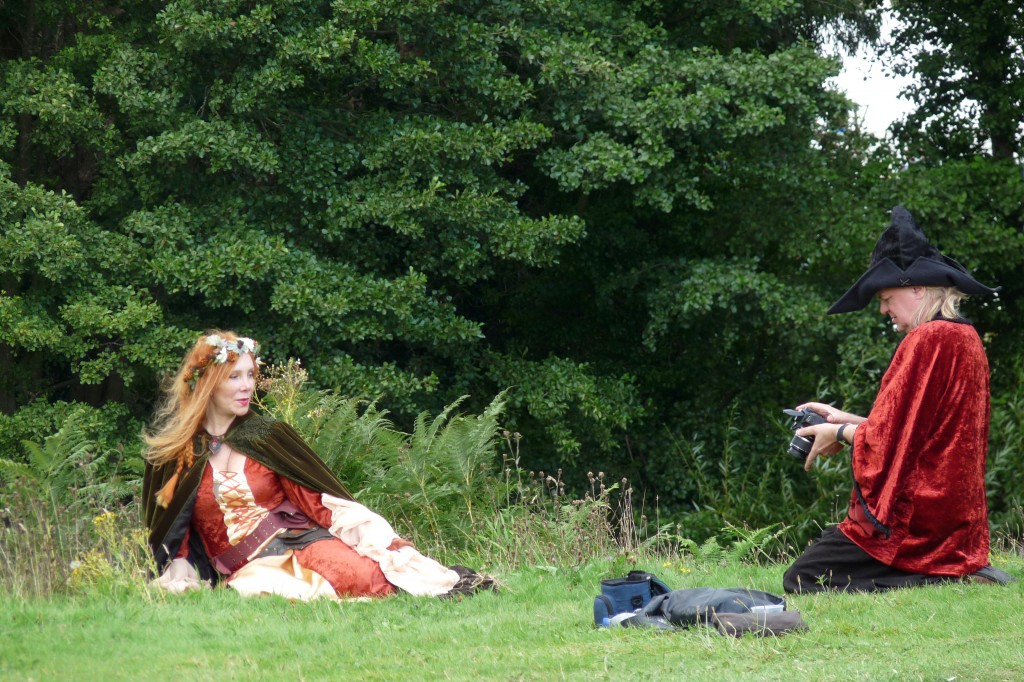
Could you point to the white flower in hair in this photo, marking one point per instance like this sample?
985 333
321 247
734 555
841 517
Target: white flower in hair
224 350
243 345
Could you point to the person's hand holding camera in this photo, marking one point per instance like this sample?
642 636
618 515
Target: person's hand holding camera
824 440
831 414
820 429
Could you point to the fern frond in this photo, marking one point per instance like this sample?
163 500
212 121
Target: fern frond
38 459
13 473
710 552
750 543
65 458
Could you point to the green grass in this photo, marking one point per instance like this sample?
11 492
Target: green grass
538 628
74 604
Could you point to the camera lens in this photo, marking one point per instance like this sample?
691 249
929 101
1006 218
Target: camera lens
800 447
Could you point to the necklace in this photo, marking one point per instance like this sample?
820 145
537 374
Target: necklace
215 442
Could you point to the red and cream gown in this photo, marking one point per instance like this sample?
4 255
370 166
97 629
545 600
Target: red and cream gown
229 506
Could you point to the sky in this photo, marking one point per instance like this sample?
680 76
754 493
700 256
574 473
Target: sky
868 85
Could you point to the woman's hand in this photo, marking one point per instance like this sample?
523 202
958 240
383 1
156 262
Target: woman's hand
831 414
826 440
179 576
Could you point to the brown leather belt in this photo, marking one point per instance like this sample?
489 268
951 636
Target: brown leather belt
286 516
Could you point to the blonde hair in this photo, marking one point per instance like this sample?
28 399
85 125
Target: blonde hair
939 300
179 417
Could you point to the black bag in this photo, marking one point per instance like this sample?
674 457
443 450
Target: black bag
759 624
627 595
696 606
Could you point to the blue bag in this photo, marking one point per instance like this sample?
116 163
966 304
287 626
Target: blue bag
626 595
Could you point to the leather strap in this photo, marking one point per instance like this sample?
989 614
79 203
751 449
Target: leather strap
285 516
881 527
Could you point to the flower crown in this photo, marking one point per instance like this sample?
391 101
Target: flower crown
225 349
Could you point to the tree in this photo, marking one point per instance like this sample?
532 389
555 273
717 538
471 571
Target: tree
625 211
968 62
962 144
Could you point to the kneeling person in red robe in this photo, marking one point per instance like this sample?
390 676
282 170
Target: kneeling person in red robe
918 512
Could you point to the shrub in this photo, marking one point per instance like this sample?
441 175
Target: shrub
1004 478
69 516
444 484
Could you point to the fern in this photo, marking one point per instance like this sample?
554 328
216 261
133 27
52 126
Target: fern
355 440
13 473
751 544
429 482
64 463
709 552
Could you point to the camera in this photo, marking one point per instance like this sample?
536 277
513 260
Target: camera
800 446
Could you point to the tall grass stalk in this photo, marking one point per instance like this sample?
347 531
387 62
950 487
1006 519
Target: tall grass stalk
49 548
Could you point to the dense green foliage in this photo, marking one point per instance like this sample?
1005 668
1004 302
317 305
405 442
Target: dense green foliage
630 215
968 62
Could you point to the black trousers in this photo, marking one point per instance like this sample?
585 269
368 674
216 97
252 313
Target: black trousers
834 562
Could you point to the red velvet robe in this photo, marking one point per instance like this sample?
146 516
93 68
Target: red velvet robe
919 459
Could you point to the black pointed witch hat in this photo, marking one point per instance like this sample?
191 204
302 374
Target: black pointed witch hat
903 257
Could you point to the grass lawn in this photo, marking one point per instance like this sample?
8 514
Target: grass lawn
538 628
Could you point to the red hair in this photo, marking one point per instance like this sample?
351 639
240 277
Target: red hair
179 419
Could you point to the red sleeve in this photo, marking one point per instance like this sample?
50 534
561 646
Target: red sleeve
307 500
311 504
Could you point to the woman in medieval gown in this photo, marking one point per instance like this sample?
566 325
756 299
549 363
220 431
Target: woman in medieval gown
235 496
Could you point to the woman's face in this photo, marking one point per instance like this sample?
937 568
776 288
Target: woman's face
901 304
231 398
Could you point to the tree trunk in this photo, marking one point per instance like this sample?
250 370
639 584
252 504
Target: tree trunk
6 363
